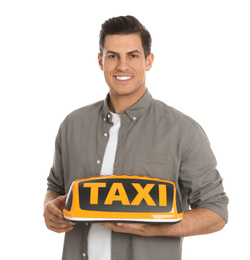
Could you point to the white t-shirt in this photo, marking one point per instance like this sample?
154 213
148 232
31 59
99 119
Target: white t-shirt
99 237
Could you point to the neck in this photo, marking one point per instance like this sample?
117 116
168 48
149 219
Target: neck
119 103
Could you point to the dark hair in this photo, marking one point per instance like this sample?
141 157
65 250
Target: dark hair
125 25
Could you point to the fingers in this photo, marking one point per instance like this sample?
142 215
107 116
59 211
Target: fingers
112 226
117 227
58 226
122 225
131 228
53 216
59 203
55 210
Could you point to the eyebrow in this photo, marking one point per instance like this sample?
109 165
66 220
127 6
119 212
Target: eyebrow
134 51
130 52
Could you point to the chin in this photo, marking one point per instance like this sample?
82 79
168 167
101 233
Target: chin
125 90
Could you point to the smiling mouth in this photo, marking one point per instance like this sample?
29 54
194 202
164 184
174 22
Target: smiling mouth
123 78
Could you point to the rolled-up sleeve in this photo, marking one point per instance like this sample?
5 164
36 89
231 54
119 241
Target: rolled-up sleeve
55 180
198 174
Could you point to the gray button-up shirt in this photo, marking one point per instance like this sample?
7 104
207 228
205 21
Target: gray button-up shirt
154 140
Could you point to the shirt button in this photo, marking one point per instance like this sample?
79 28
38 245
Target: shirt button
98 161
109 115
84 254
105 134
134 118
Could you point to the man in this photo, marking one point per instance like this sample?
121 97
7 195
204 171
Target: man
131 133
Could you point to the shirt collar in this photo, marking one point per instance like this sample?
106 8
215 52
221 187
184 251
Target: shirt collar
134 112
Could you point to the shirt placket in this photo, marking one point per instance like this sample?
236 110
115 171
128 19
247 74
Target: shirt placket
102 140
123 131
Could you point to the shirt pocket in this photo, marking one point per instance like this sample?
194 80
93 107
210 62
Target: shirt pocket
156 165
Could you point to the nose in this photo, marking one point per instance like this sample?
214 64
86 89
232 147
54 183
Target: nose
122 64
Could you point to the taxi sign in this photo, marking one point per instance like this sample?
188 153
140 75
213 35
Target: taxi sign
123 198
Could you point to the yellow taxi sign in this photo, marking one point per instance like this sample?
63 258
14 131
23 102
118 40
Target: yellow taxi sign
127 198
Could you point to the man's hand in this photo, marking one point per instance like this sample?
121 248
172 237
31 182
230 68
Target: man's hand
145 230
195 222
53 216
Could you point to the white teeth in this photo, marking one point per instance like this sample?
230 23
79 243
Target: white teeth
123 78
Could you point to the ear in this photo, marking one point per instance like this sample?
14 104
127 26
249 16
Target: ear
100 62
149 61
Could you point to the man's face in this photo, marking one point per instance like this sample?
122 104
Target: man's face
124 65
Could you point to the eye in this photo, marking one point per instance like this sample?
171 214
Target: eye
112 56
133 55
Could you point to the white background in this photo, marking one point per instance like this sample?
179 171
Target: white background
48 67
